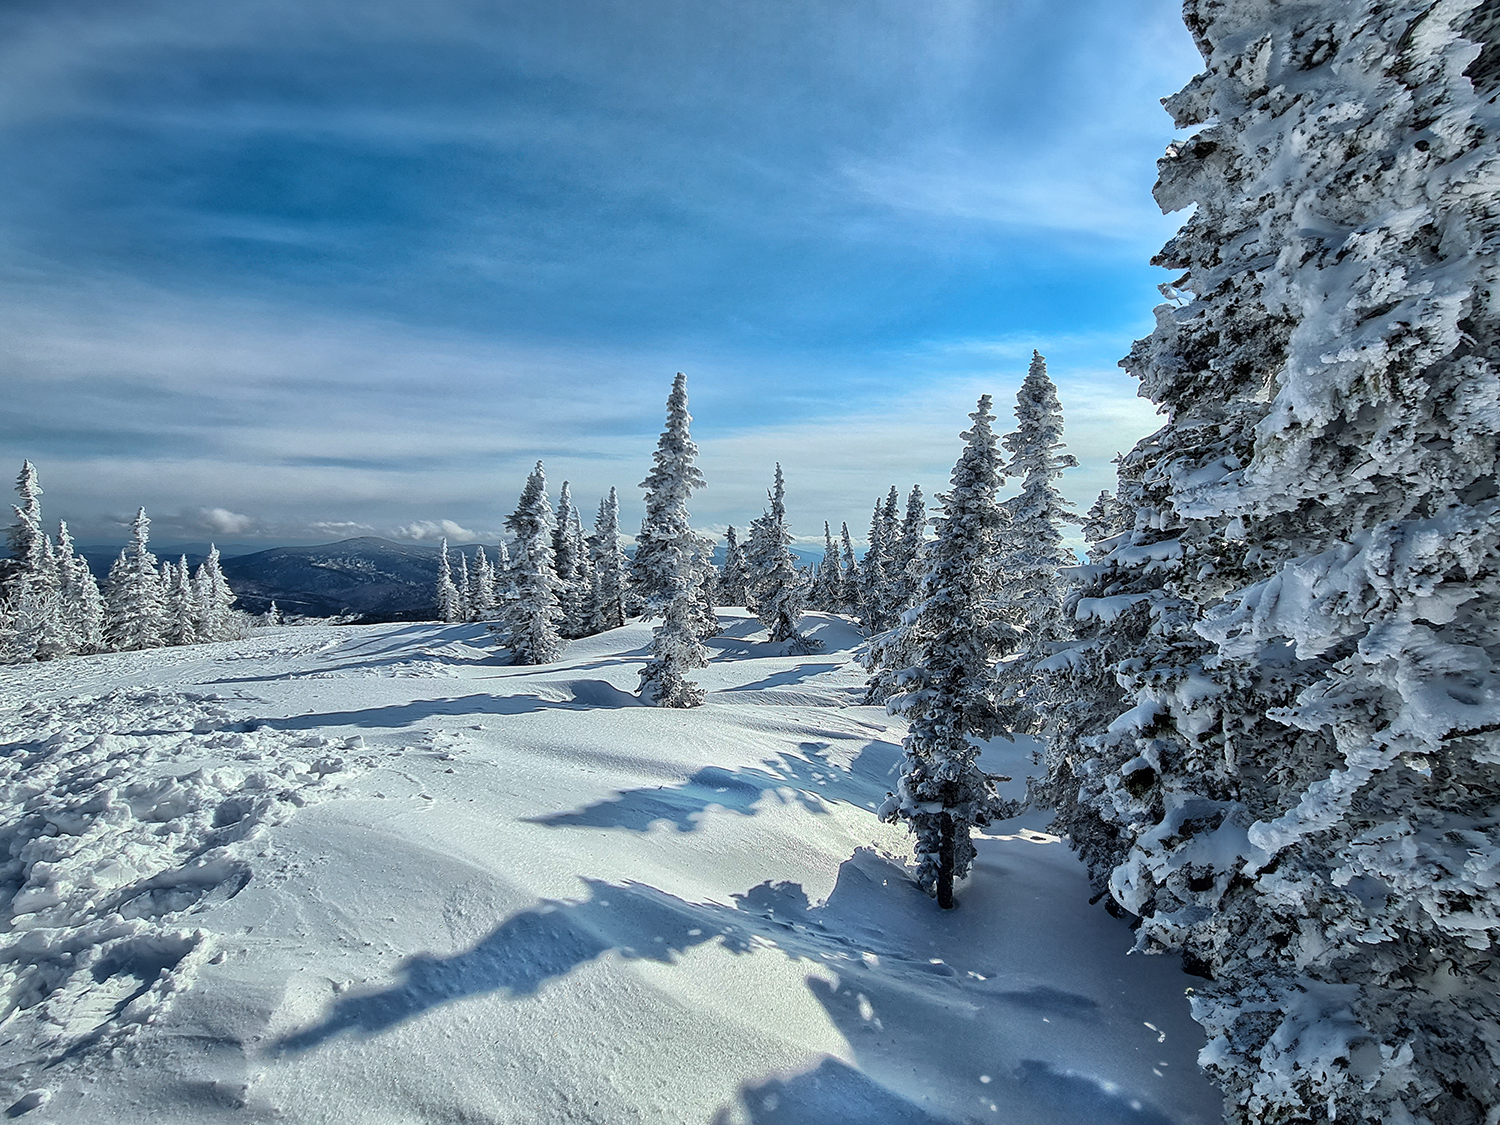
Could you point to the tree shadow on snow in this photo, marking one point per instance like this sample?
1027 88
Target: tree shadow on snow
832 1092
811 781
790 676
891 1001
581 695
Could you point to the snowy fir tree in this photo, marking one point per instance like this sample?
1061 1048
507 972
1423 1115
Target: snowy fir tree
82 603
668 563
609 562
953 638
218 620
180 611
135 610
1104 520
850 585
272 615
828 581
568 555
463 584
776 587
1030 557
1306 603
874 596
481 597
666 543
532 620
905 576
734 579
25 538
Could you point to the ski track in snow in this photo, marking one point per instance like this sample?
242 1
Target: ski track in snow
376 874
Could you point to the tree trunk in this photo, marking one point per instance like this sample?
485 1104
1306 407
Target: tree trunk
945 862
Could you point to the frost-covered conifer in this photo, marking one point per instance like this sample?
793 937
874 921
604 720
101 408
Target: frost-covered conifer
734 579
82 604
874 594
827 583
532 621
1315 719
850 586
218 620
1104 520
464 585
609 567
25 538
481 588
1029 587
952 637
666 542
135 616
776 586
449 605
669 563
905 577
181 609
273 615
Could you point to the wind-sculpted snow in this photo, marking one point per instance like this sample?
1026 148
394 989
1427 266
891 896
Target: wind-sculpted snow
124 818
534 899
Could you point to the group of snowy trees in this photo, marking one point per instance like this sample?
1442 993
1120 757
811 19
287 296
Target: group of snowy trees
51 605
976 610
1274 734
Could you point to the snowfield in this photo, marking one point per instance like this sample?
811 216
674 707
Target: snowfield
375 874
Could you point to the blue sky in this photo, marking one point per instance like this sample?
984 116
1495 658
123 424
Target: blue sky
289 271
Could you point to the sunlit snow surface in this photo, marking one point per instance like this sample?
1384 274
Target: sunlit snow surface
374 874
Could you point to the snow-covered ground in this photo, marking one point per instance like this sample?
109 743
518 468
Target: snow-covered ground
373 874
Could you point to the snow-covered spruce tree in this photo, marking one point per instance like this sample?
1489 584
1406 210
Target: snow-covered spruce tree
669 576
776 587
25 537
734 579
82 604
905 577
828 581
218 620
568 556
850 585
449 602
944 694
135 616
1029 588
1104 520
666 542
463 584
180 611
609 567
272 615
1326 777
877 611
481 588
532 619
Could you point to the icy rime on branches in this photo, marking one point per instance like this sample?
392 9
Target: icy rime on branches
951 638
776 586
1300 789
668 563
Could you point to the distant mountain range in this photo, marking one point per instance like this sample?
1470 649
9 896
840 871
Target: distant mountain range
373 579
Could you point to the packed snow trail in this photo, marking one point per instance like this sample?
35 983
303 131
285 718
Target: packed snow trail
376 874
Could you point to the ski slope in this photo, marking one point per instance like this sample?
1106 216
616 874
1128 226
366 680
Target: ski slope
375 874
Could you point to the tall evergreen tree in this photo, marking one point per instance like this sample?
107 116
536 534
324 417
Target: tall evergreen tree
828 582
1309 811
26 538
217 618
905 578
734 579
463 584
668 563
775 584
481 588
609 566
135 610
954 637
1031 555
180 610
532 622
872 578
850 587
82 604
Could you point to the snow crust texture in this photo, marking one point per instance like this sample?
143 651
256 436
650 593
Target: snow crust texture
1283 749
